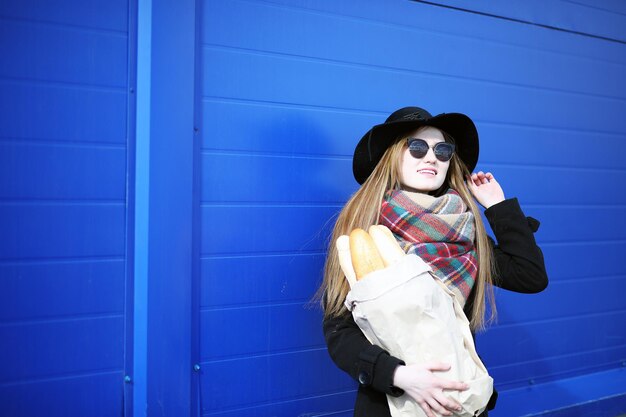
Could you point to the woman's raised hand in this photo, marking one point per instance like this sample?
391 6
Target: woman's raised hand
421 384
486 190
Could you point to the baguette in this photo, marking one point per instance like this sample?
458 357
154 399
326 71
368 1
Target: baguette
388 247
388 233
364 253
345 259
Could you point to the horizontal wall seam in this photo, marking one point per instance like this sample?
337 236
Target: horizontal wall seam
271 204
232 358
526 22
406 71
62 377
122 89
289 155
61 260
249 306
560 319
63 318
69 26
289 105
483 122
413 29
564 355
576 281
595 7
286 400
225 255
66 201
521 383
62 143
556 167
568 206
583 242
267 255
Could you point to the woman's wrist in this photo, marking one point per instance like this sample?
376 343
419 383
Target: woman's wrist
492 203
398 376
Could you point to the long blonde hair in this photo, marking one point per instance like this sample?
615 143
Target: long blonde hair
363 210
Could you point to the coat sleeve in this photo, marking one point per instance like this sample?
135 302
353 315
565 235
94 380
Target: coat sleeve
519 261
368 364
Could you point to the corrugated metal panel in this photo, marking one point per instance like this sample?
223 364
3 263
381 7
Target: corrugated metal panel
63 207
286 97
604 18
288 87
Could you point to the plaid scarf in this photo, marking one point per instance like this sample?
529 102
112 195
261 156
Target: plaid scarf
440 230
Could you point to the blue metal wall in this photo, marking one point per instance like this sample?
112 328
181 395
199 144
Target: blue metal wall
63 206
194 233
288 88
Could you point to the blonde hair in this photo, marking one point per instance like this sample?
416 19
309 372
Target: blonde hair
363 210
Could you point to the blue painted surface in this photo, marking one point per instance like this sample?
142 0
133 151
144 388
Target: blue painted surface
133 245
284 103
163 209
141 204
598 394
95 394
603 19
63 156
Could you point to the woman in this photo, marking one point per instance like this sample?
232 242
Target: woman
414 172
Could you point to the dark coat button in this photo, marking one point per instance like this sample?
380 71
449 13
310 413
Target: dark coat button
364 378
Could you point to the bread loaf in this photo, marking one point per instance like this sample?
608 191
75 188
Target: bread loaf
388 247
364 253
345 259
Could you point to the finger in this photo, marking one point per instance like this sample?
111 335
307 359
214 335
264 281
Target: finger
453 385
425 407
449 403
434 404
475 179
483 178
470 182
489 176
437 366
471 187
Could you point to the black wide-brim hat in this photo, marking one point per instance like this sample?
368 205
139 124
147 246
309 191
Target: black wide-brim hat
375 142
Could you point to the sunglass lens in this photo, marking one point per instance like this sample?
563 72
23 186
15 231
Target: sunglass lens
444 151
418 148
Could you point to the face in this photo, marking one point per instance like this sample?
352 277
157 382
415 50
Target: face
424 174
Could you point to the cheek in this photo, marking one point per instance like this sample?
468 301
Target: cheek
406 164
444 167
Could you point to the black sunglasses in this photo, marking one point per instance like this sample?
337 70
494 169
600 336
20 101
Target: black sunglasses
419 148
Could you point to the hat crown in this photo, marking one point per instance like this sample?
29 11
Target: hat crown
408 113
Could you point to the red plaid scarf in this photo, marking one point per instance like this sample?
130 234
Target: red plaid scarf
440 230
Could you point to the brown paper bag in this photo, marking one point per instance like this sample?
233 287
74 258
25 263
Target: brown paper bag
412 315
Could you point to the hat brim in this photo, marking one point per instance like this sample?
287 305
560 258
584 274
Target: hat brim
375 142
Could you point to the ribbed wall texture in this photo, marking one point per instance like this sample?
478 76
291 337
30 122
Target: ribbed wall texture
288 87
285 89
63 148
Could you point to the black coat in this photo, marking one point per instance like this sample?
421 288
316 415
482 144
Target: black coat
519 267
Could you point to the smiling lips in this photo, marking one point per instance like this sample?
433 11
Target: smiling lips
427 171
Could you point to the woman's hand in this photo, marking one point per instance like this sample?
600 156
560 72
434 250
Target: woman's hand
485 189
419 382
